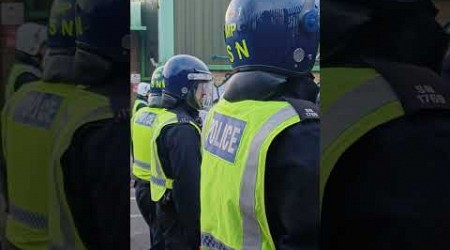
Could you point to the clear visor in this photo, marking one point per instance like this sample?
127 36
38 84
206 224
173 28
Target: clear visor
204 94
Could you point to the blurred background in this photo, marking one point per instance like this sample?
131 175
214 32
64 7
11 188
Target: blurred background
13 14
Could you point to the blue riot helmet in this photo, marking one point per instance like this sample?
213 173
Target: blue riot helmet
106 28
276 36
63 29
156 87
187 79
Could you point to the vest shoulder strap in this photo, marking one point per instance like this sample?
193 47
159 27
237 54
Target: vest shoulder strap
306 110
417 88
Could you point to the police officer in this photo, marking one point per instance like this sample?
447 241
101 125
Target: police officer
30 49
141 134
385 114
30 123
175 159
259 173
89 199
141 96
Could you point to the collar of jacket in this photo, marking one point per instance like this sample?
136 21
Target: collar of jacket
259 85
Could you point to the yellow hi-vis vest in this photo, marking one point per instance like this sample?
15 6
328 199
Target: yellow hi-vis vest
87 107
141 135
31 121
357 101
55 112
159 182
235 142
17 70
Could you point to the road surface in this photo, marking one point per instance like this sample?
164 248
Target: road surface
139 234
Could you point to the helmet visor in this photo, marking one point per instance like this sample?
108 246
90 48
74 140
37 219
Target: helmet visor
204 94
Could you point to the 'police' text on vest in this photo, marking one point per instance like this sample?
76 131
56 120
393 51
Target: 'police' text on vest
224 136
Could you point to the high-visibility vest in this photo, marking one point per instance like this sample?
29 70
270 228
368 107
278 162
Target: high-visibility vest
141 135
235 142
87 107
45 115
159 182
30 122
49 114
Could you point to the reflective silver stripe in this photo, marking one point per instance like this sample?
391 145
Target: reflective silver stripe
209 241
142 164
252 233
158 181
353 106
33 220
